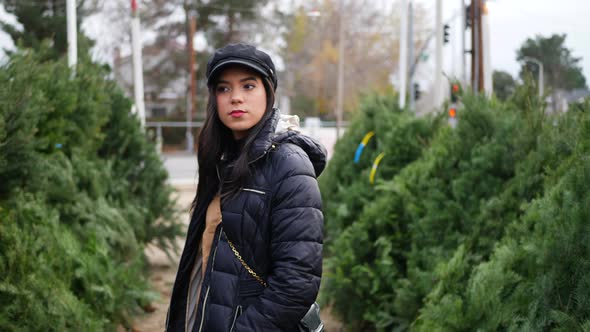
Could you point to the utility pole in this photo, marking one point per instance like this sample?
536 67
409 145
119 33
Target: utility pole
287 90
477 73
403 54
541 82
72 35
137 63
463 48
411 55
439 55
474 47
488 85
454 42
340 85
192 109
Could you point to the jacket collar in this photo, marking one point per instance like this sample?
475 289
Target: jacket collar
264 140
280 129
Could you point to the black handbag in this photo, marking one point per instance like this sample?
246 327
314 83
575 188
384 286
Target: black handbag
311 322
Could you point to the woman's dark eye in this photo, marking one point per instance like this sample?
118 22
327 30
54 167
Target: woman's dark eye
249 86
221 89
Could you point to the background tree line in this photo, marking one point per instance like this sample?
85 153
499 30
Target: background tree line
305 46
562 70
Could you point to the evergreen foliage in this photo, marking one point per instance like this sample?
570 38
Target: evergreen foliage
352 232
345 185
536 278
82 192
484 228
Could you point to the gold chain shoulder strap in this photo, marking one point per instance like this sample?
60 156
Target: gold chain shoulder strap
248 268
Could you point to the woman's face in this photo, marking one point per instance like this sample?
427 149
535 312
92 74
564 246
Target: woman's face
241 99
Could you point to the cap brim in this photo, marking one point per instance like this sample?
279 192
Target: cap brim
217 69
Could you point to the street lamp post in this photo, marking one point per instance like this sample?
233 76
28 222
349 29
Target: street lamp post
315 14
540 64
72 34
403 54
340 83
137 63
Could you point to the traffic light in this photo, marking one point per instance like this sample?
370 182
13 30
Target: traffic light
455 91
446 33
417 91
453 117
452 112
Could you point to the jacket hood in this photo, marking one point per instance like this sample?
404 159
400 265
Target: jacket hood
281 129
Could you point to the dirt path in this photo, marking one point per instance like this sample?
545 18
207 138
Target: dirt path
163 272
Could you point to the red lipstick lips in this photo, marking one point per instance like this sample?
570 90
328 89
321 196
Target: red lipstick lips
237 113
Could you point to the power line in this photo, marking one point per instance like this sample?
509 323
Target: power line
60 3
226 8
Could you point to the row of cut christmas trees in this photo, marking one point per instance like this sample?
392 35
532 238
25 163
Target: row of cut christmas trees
481 227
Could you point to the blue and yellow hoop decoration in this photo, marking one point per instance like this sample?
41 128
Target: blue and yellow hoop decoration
364 142
375 165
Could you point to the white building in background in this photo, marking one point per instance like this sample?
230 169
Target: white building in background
563 99
165 85
6 42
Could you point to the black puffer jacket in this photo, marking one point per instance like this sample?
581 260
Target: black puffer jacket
276 224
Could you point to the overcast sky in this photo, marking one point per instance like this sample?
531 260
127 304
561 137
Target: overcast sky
511 23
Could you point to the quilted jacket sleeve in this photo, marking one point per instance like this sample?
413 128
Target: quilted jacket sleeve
296 247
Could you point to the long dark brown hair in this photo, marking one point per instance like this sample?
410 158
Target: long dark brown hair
215 139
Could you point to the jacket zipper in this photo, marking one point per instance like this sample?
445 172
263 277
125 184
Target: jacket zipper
217 170
209 286
204 305
254 191
272 147
236 315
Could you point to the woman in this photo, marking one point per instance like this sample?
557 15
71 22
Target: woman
253 254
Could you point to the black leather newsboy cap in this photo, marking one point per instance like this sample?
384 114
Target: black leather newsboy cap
241 54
